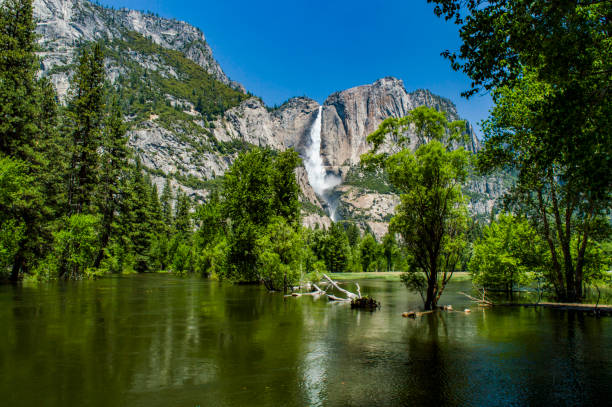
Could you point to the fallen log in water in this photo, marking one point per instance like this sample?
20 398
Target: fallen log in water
356 300
483 302
349 294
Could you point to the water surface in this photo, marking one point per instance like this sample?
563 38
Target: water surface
158 340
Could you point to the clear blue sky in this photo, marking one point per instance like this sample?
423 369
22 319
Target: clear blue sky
279 49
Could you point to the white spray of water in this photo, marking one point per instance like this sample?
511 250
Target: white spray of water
322 182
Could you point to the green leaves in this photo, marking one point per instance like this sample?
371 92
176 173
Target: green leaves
508 250
259 189
77 245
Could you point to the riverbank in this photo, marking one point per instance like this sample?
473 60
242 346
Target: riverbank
389 276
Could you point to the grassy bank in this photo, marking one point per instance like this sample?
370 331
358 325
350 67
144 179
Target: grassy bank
388 276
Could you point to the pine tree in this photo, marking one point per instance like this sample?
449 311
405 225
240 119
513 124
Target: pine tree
182 215
86 114
27 133
166 204
139 227
114 161
18 67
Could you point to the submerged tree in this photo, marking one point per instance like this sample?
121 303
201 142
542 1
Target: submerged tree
431 218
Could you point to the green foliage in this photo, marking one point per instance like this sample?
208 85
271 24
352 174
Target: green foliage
548 67
508 250
335 249
432 216
85 117
18 67
146 90
280 252
285 188
259 187
428 124
370 252
76 246
371 180
390 250
415 281
13 196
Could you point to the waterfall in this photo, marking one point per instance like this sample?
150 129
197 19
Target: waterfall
322 182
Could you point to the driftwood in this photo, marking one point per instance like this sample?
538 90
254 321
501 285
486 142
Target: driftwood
318 291
349 294
334 298
356 300
483 301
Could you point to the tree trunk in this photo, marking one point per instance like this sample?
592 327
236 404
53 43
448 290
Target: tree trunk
430 299
17 265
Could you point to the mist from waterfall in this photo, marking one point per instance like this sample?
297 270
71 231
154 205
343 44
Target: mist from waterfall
322 182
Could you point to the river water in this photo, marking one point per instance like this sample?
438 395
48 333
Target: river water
159 340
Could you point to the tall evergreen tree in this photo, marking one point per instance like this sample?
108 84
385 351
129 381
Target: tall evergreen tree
114 161
18 67
27 132
182 215
137 227
166 204
86 114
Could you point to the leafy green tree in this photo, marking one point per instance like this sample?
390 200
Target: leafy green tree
85 114
503 257
548 65
182 215
286 202
336 249
76 246
431 218
369 252
257 188
280 252
209 220
552 188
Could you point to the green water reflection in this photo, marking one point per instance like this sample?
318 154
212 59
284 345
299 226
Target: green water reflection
156 340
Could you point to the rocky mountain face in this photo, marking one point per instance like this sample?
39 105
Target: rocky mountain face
65 24
349 116
154 62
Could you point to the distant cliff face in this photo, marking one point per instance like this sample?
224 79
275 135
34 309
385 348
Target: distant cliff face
64 24
175 141
349 116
